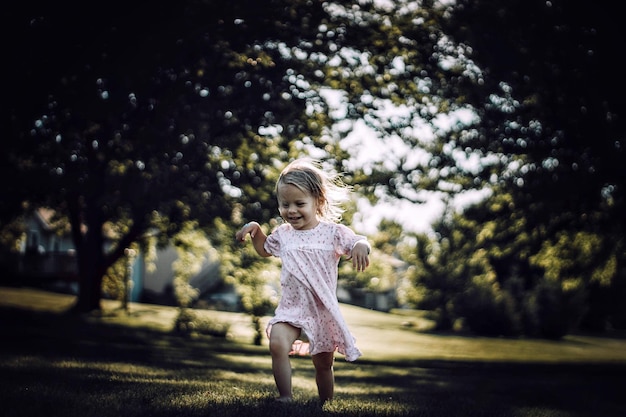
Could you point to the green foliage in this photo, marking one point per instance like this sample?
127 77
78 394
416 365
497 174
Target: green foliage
489 312
551 311
503 279
188 324
484 307
174 109
394 75
441 272
555 117
548 149
579 265
115 279
572 260
379 277
565 140
194 251
256 279
387 267
169 113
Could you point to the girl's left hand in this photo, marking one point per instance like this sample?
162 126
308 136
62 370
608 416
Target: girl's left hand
361 256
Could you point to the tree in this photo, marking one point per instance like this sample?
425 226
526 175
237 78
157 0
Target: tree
443 267
401 76
557 115
560 85
539 79
146 115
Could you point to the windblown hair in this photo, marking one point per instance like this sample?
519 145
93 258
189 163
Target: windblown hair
328 189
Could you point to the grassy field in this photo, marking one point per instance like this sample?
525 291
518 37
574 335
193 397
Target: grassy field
115 364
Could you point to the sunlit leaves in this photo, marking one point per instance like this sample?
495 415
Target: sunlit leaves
574 260
194 251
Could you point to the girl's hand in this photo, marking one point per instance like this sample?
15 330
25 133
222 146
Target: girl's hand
245 229
258 237
361 255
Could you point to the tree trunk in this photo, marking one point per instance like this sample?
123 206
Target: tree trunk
90 254
90 291
91 270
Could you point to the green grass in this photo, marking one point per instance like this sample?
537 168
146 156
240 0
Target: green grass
52 364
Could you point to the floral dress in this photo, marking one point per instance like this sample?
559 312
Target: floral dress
309 284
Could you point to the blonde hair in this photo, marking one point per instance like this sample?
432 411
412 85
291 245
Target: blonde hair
328 189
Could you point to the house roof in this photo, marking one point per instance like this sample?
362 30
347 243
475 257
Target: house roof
50 222
46 219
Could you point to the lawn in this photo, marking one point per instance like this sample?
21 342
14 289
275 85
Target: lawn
114 364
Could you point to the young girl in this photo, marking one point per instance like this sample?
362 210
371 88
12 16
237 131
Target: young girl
310 244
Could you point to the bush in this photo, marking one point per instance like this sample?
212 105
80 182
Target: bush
551 312
487 310
187 323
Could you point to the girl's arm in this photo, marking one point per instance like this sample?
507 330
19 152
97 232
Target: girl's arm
256 234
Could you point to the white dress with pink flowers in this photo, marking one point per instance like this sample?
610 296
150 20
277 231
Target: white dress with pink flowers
309 284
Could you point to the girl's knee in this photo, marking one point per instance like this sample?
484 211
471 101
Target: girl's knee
323 361
279 347
282 337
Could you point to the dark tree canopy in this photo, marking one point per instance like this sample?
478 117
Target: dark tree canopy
554 67
550 104
144 115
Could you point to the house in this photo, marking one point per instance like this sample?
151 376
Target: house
157 283
48 258
47 251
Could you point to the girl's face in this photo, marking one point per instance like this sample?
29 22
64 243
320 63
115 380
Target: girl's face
297 207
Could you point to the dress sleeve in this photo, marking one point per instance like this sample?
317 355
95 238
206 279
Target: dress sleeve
345 239
272 243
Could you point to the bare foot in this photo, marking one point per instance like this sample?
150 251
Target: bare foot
283 399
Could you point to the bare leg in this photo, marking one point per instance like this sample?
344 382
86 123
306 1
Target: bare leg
282 337
324 375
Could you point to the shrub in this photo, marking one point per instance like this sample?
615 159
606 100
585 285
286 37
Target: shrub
487 310
552 312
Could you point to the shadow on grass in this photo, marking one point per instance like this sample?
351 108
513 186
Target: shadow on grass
59 365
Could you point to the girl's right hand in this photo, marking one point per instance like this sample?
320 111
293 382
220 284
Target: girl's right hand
245 229
257 235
